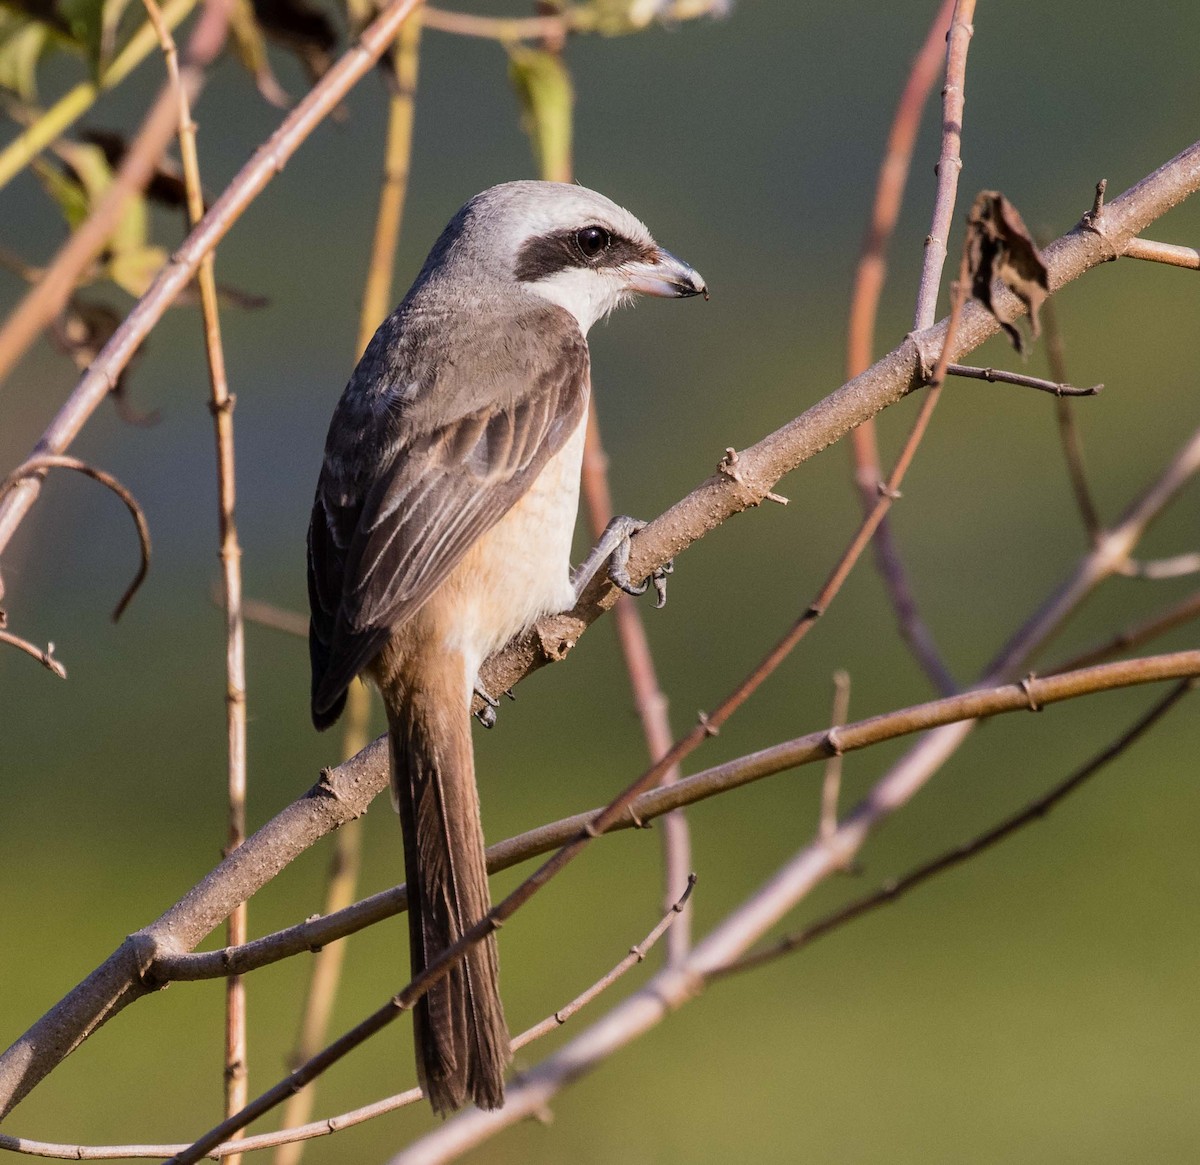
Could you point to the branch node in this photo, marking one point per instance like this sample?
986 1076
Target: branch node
1027 687
831 743
710 729
638 822
925 361
728 465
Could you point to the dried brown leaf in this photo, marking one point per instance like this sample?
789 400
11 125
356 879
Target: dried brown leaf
1000 247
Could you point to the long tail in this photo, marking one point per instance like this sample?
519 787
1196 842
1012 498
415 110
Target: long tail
462 1040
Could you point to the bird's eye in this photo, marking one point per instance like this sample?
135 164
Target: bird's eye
592 240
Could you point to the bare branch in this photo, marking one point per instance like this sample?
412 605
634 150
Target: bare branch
1068 431
1036 810
1169 253
869 278
831 783
45 658
636 955
949 163
994 375
236 1050
35 468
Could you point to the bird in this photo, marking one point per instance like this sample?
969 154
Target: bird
442 527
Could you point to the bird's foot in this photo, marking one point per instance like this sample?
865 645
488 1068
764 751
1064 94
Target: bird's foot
614 546
487 714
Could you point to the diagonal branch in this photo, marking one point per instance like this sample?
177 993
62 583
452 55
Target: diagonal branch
44 657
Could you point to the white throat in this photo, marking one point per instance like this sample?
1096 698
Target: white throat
589 295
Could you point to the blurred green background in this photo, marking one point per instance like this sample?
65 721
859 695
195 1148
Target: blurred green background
1039 1004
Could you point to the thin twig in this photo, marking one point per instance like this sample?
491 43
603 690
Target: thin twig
502 28
1036 810
637 954
1157 569
346 860
869 279
52 124
949 164
1169 253
831 782
45 658
1068 431
236 1081
999 375
357 1116
35 467
1174 616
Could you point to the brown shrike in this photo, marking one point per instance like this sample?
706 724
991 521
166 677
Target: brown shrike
442 527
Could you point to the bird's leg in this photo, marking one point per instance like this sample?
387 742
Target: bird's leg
487 714
614 546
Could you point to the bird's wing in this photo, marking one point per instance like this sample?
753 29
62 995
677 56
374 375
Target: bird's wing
377 552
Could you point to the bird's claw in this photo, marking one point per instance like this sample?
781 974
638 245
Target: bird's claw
615 544
487 714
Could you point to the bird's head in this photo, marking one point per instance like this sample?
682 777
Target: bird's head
566 244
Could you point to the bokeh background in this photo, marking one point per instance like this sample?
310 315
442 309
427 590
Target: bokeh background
1039 1004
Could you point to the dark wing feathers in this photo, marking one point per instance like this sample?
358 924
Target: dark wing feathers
383 536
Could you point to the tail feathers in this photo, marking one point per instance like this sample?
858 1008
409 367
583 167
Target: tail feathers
462 1040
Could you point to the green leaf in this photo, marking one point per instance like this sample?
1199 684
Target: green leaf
71 197
543 87
22 43
84 20
79 185
134 268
